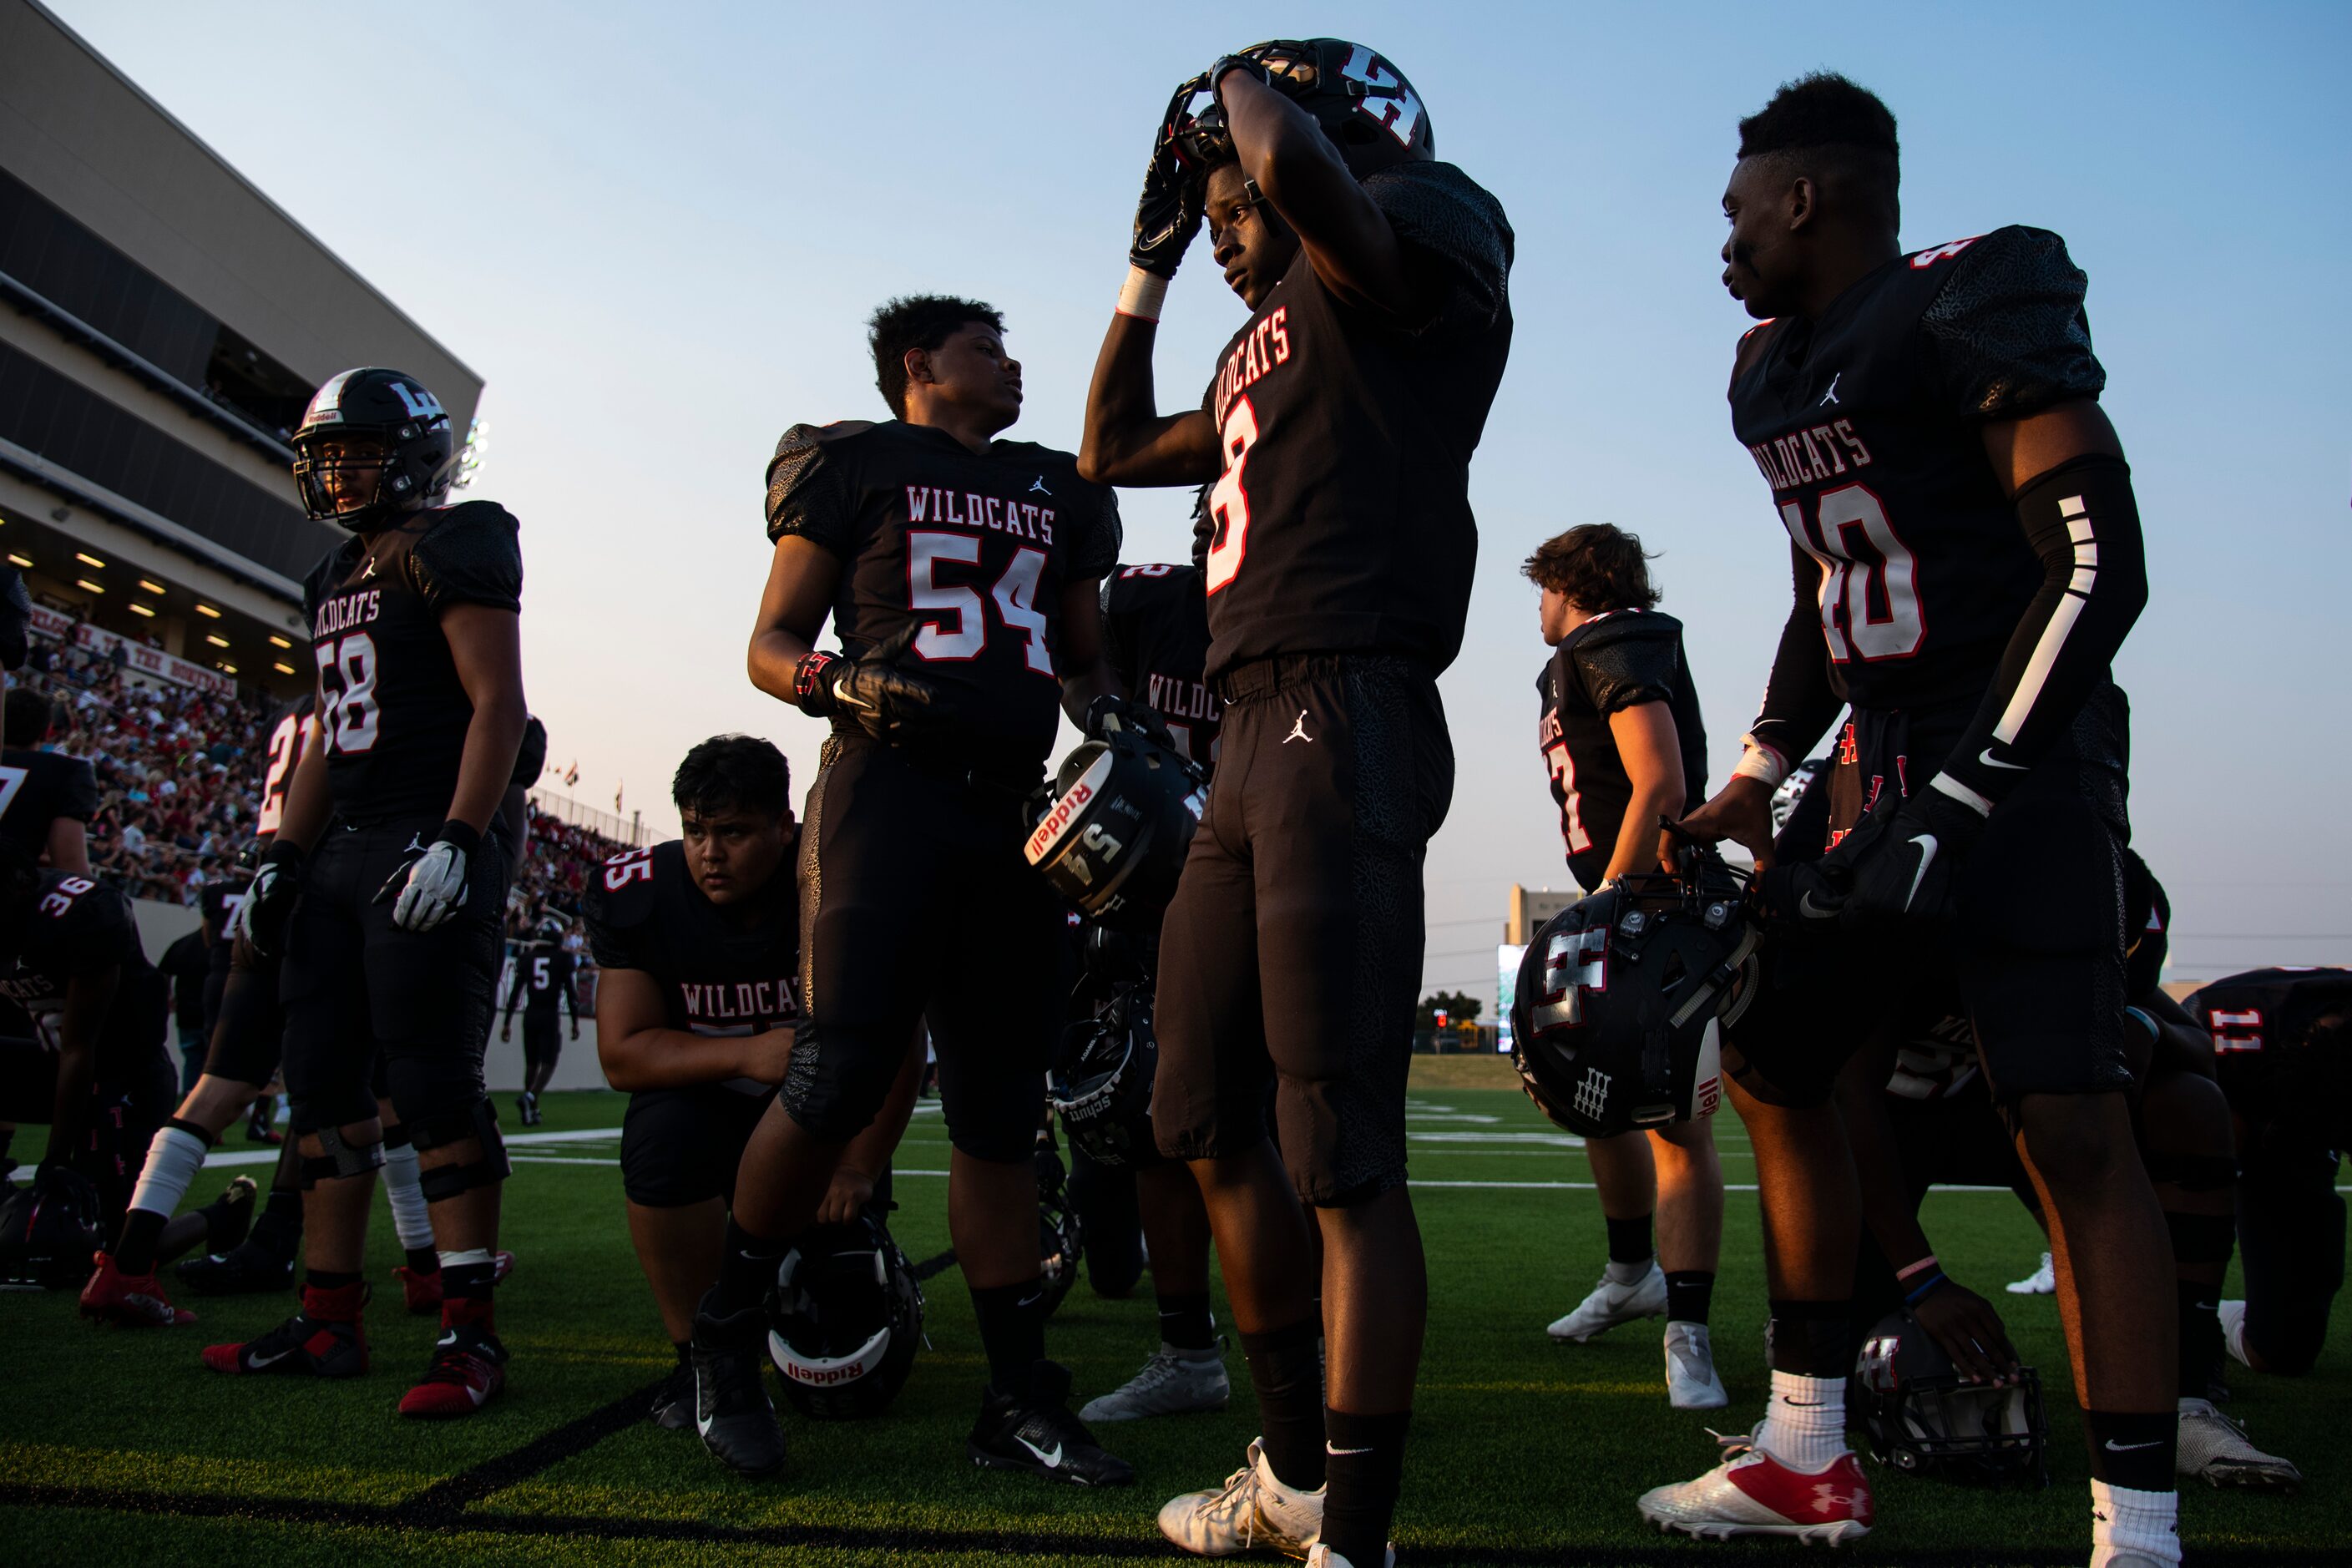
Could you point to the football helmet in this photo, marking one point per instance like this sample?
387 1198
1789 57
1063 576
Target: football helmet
846 1320
1113 835
1061 1239
414 458
1101 1086
1364 102
1920 1416
1792 790
49 1230
1623 996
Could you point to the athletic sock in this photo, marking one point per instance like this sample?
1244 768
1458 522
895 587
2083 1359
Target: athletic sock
1630 1248
747 1272
1286 1366
2132 1450
1813 1338
1012 1321
468 1277
1365 1460
1805 1425
423 1260
325 1279
1690 1293
1185 1323
2200 1337
173 1158
2126 1520
411 1216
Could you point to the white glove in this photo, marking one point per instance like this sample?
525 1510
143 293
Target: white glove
434 888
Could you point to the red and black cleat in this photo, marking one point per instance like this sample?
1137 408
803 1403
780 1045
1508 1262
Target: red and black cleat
423 1291
325 1339
468 1368
133 1300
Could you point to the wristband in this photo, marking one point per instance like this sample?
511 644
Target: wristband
808 677
2145 1022
1909 1269
461 834
1925 1290
1142 295
282 851
1762 763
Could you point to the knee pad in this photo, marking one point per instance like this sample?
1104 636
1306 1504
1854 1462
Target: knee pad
2201 1238
474 1120
338 1157
2192 1172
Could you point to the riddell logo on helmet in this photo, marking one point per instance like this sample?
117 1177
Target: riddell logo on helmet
826 1376
1058 820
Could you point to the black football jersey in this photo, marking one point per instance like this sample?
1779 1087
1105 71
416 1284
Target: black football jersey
69 925
543 979
36 789
1156 639
1868 424
1612 662
975 548
287 739
1341 522
393 714
2281 1072
716 976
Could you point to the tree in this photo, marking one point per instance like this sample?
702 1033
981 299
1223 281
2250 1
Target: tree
1458 1009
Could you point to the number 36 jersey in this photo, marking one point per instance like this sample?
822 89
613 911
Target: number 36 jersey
392 713
1341 522
1868 426
973 548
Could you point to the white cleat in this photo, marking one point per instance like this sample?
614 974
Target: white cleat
1252 1508
1172 1382
2042 1281
1611 1304
2234 1330
1324 1557
1691 1382
1755 1494
2214 1449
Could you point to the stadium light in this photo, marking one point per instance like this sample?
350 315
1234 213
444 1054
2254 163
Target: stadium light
20 560
207 611
283 669
215 641
85 583
87 559
469 458
228 670
136 608
150 587
276 641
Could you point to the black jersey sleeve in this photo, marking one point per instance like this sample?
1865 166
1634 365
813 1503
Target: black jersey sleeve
1118 627
1801 698
809 492
2006 335
77 790
1625 661
620 921
1094 552
470 556
80 926
1454 232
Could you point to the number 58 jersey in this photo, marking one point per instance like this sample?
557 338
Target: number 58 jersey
1868 425
392 713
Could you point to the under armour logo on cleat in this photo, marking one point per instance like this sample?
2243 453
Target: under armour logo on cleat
1038 486
1298 731
1830 395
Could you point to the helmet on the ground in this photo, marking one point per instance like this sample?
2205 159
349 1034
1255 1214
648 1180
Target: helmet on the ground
391 411
1362 100
49 1230
1918 1414
1114 838
846 1320
1623 995
1101 1086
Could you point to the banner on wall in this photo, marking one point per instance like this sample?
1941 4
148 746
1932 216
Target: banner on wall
139 657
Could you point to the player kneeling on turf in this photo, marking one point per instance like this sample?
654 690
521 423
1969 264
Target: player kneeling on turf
698 940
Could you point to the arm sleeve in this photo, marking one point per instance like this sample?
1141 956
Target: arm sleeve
1626 671
1458 241
808 492
1800 697
2006 334
1117 633
2080 520
1095 552
471 557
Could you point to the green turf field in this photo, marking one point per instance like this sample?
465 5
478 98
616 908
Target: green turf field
121 1448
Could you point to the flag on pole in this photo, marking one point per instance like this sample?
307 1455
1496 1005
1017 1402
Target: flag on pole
572 775
616 798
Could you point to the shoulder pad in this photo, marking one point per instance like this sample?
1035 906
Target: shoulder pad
1445 214
1627 658
804 491
470 555
2006 331
619 900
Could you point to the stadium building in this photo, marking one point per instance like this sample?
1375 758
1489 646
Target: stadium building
165 323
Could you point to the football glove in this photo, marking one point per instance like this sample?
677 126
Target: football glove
430 885
1168 215
1903 873
888 703
1108 715
262 915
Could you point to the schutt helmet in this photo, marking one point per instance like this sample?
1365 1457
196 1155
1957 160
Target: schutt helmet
1101 1087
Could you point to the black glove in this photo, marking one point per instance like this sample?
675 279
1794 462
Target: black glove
1903 874
888 703
1108 714
1168 215
269 903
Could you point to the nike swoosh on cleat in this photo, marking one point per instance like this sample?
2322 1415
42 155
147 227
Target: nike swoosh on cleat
2115 1447
1988 760
1328 1449
1052 1461
257 1362
1927 842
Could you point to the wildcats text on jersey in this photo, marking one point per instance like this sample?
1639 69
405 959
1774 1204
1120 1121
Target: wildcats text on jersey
1265 345
1023 520
339 615
1810 455
738 1001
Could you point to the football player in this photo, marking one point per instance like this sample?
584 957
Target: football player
1336 548
698 939
378 890
960 572
1967 559
1624 747
544 974
47 798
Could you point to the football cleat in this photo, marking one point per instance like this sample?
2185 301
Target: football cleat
2214 1449
1040 1436
1611 1304
732 1408
1691 1382
133 1300
1319 1556
1753 1493
1172 1382
423 1291
249 1269
526 1104
1253 1509
2042 1281
468 1366
325 1339
672 1405
2234 1330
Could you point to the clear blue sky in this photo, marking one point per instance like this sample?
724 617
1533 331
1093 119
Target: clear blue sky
657 232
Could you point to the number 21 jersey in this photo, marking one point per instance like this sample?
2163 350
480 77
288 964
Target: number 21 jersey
392 713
